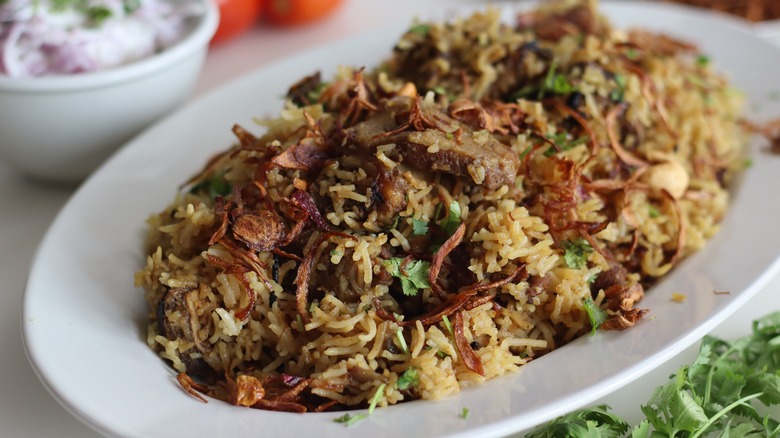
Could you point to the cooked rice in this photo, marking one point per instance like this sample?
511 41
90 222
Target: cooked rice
646 185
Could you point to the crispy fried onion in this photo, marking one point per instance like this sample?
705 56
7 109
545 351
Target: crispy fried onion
469 357
614 141
438 259
493 116
621 299
417 119
191 387
360 104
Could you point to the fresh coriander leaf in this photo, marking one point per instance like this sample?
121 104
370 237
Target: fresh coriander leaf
439 90
408 379
399 334
464 413
632 53
349 420
618 94
526 152
747 163
420 29
596 315
564 144
652 211
214 186
375 399
413 277
641 430
448 325
452 221
576 253
702 60
441 355
419 227
593 422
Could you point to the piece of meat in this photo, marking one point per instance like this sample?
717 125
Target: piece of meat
176 302
606 279
389 195
460 150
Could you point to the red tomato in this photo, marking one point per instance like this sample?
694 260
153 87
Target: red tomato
236 17
294 12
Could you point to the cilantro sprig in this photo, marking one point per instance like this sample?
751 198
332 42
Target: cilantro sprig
720 394
413 276
576 252
596 315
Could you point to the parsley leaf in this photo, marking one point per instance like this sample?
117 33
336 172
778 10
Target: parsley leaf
419 227
596 315
576 252
414 276
409 379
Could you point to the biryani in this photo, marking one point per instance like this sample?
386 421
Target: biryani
489 193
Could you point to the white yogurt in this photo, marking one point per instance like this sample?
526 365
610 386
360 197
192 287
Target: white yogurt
59 37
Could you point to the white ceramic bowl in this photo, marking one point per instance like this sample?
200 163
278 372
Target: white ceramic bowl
60 128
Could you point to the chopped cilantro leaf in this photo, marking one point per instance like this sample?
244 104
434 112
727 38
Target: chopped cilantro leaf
376 397
652 211
464 413
448 325
409 379
452 222
439 90
596 315
441 355
314 95
591 422
632 53
419 227
618 94
702 60
526 152
420 29
747 163
413 277
399 334
349 420
576 253
214 186
564 144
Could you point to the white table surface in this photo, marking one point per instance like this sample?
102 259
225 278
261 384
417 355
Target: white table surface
28 207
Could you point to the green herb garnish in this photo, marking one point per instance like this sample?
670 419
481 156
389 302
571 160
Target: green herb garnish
464 413
747 162
419 227
448 325
652 211
349 420
214 186
561 140
591 422
452 221
576 252
409 379
420 29
702 60
596 315
618 94
716 395
413 277
632 54
376 397
399 334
